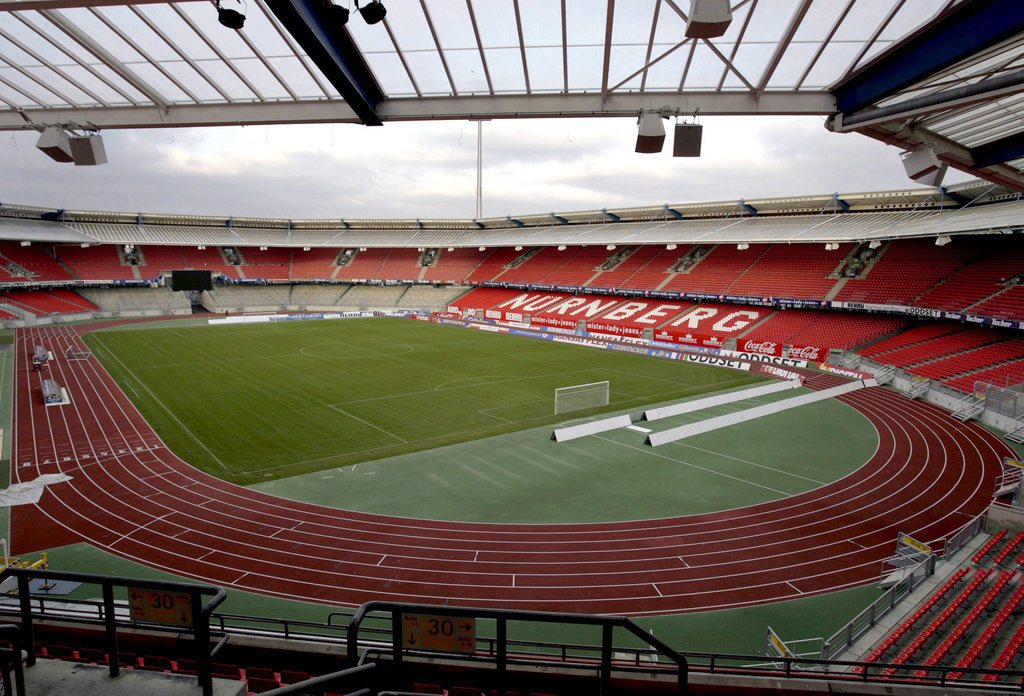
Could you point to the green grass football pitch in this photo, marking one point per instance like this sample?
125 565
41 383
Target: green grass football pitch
248 403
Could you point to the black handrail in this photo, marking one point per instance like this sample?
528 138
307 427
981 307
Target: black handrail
502 617
196 592
13 631
322 680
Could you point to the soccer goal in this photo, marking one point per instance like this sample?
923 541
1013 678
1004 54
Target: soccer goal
581 396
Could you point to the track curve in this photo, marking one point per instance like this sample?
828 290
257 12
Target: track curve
132 497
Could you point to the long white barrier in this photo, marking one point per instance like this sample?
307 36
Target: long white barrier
592 428
704 426
719 399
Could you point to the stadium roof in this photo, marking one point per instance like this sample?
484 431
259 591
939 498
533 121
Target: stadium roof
947 74
971 208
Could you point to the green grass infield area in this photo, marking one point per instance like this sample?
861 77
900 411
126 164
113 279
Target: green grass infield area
256 402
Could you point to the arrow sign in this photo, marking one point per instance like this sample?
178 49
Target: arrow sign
439 632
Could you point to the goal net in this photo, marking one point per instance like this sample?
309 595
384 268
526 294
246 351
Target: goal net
581 397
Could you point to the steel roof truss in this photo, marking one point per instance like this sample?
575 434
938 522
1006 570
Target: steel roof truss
293 47
220 54
36 80
480 46
155 28
35 55
440 51
105 57
74 57
142 52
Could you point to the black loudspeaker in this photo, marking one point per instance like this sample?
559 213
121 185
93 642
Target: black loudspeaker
88 150
687 141
708 19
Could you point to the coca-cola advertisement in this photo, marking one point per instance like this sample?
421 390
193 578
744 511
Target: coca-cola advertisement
809 353
759 347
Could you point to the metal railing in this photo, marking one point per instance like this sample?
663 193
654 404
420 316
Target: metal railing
198 624
501 618
863 622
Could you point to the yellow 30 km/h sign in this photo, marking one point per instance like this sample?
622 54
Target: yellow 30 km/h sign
436 632
160 606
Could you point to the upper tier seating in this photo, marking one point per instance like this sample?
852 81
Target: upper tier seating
365 266
272 264
34 259
718 270
792 270
100 262
906 269
998 259
547 267
645 265
454 266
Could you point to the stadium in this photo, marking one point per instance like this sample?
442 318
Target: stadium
757 445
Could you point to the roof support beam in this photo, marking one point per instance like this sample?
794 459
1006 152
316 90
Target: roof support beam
957 34
998 151
332 50
986 90
426 109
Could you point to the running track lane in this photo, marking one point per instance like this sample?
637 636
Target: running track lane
134 498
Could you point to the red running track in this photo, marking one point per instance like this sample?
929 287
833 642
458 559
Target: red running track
132 497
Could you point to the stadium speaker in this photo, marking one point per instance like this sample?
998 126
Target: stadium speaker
923 166
687 140
88 150
54 142
651 134
708 19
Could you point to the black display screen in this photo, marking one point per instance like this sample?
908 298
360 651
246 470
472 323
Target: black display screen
191 280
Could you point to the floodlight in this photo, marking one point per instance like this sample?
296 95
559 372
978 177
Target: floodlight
943 240
26 243
519 247
650 133
875 243
670 247
84 245
451 248
743 246
831 246
230 17
561 247
263 248
201 247
708 19
610 247
305 248
373 12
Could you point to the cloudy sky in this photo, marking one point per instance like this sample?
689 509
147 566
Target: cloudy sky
428 170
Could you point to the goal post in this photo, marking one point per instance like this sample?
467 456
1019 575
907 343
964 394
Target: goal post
580 397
